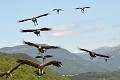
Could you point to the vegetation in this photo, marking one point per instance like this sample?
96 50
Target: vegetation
97 76
24 72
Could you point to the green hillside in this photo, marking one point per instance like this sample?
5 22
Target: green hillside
97 76
24 72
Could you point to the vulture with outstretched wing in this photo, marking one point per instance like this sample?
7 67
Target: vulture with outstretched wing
94 54
34 19
37 31
44 57
91 53
8 73
39 66
82 8
41 48
58 10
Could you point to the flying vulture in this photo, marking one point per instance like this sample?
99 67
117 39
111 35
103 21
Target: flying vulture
8 73
40 47
44 57
37 31
93 54
39 66
82 8
58 10
34 19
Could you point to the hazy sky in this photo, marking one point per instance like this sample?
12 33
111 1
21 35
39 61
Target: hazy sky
98 26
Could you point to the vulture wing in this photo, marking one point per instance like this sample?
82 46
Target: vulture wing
14 68
50 47
47 56
102 55
86 7
85 50
45 29
1 75
31 44
42 15
39 57
29 30
28 62
55 9
54 63
24 20
77 8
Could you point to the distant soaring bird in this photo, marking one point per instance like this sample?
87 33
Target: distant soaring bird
8 73
82 8
34 19
39 66
44 57
37 31
93 54
58 10
40 47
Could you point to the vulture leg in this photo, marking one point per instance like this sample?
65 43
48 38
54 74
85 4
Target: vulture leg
91 58
82 10
57 12
36 22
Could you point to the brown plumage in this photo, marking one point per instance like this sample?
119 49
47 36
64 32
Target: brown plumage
34 19
8 73
82 8
41 48
44 57
94 54
39 66
58 10
37 31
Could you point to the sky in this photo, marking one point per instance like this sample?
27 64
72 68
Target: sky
98 26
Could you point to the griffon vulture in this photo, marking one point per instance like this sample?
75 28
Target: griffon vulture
37 31
39 66
58 10
34 19
82 8
93 54
8 73
44 57
40 47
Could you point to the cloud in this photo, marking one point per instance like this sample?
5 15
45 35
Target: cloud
116 25
63 27
61 34
91 30
115 39
73 32
94 20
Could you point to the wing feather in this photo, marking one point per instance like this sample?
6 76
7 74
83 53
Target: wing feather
101 55
84 50
14 68
54 63
39 57
45 29
29 30
48 56
31 44
2 74
50 47
24 20
42 15
86 7
28 62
